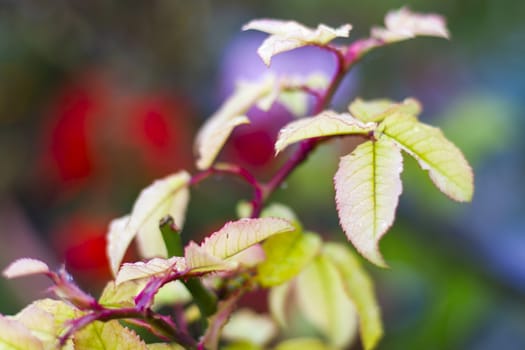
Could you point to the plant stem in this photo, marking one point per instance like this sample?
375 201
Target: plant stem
307 146
161 324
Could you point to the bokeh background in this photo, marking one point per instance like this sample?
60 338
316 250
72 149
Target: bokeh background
98 98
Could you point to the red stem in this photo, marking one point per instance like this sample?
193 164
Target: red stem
306 146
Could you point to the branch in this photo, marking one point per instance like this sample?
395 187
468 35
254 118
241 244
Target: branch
307 146
161 324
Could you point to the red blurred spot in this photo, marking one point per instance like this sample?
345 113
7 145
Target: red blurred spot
81 242
255 147
155 128
69 145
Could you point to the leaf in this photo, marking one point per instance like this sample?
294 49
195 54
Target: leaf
289 35
360 289
250 256
47 320
108 335
15 336
293 95
446 165
367 188
213 135
153 267
377 110
328 123
120 295
278 210
199 259
167 196
25 267
279 300
236 236
286 255
164 346
242 326
241 345
323 301
118 241
404 24
41 324
304 344
171 293
217 250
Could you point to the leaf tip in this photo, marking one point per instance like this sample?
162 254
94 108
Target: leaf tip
25 267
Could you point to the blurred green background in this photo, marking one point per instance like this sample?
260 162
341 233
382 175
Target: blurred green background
98 98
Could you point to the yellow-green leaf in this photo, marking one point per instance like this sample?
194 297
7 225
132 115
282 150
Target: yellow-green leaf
167 196
279 301
404 24
248 326
323 301
377 110
303 344
15 336
164 346
153 267
446 165
238 235
327 123
289 35
109 335
286 255
118 240
217 129
367 188
360 289
120 295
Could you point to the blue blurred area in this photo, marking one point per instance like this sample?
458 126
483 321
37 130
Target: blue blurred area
98 98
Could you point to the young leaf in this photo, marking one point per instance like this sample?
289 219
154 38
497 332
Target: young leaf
404 24
303 343
15 336
171 293
108 335
25 267
118 240
289 35
120 295
323 301
217 252
41 324
279 301
250 256
214 133
286 255
249 326
328 123
367 187
446 165
360 289
293 94
278 210
377 110
238 235
164 346
47 319
167 196
199 259
153 267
